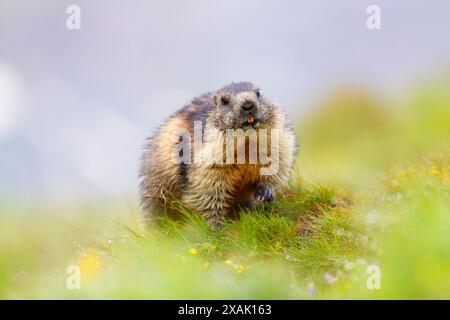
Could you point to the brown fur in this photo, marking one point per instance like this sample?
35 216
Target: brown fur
214 190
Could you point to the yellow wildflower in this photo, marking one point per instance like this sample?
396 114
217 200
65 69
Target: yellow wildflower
229 262
239 268
89 263
433 171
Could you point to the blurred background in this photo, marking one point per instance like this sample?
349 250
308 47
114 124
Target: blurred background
77 105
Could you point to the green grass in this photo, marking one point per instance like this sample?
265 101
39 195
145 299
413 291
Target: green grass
371 187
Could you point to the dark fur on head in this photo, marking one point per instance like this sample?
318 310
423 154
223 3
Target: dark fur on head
234 102
229 107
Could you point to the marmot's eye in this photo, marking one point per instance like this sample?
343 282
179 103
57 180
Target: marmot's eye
258 93
225 100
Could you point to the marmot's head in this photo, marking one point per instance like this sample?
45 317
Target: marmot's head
242 105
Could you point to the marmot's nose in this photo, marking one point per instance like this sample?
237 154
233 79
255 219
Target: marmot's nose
249 106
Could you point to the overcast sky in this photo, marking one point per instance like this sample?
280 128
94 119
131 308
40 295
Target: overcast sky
76 105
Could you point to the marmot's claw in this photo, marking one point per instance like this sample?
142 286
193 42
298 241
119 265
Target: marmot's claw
215 225
218 225
264 194
213 219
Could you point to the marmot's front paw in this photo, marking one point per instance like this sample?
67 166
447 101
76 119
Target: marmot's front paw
264 194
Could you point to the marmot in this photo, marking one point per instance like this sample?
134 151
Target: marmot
215 189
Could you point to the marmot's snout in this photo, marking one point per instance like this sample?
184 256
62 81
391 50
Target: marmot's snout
244 106
249 113
249 107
